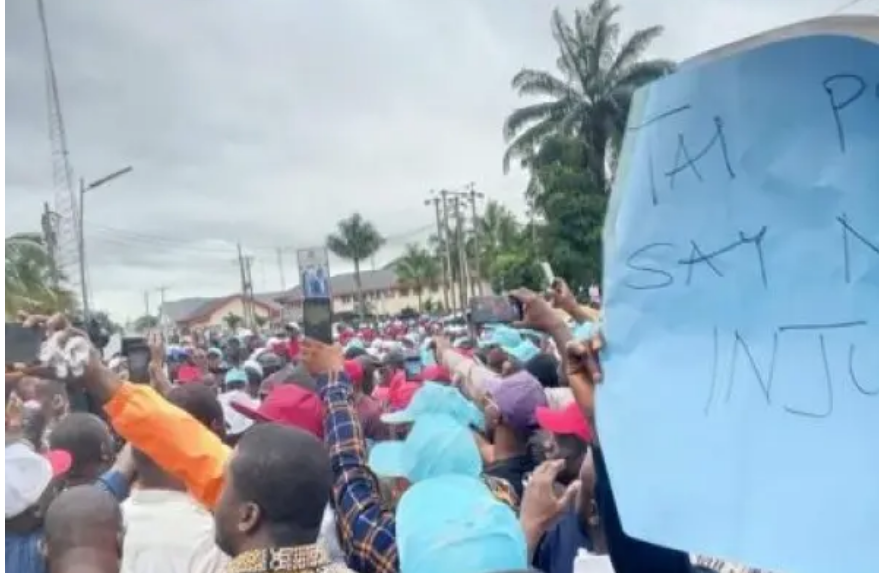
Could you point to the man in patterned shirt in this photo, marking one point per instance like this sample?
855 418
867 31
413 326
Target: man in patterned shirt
269 514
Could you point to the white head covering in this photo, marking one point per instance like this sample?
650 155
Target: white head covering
28 475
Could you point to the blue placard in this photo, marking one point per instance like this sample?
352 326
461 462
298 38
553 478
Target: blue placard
740 412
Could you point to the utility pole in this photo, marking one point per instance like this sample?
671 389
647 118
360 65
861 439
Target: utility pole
444 250
248 265
447 239
280 253
244 285
161 290
146 302
472 195
80 215
457 203
50 238
463 197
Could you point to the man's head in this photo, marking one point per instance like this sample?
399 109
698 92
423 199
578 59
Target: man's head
393 361
370 367
83 531
566 436
271 363
235 380
52 396
214 359
544 368
200 402
277 485
255 376
32 481
512 406
232 351
88 440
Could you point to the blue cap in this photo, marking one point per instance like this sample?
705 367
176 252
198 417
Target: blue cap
523 352
438 398
583 331
427 357
355 343
234 375
512 342
453 524
502 336
436 446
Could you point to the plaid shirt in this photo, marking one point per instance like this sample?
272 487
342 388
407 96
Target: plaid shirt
368 531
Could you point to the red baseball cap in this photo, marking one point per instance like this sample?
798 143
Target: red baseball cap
400 395
436 373
288 405
569 421
354 371
189 374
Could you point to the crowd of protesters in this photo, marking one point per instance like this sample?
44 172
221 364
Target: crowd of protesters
410 447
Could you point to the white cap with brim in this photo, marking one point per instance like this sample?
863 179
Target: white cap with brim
29 474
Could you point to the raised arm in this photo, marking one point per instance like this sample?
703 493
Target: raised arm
368 532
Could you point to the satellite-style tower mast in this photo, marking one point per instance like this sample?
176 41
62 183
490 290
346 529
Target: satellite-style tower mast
66 203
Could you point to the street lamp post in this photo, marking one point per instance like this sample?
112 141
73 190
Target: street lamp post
83 189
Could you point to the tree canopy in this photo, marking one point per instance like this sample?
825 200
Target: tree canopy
418 269
589 95
31 279
569 139
356 239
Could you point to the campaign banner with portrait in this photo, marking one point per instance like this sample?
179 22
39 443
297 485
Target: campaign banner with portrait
314 272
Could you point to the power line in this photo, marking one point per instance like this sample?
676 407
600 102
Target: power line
846 5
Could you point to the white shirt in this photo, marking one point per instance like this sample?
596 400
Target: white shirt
167 531
329 538
237 423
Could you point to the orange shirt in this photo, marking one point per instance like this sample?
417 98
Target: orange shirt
175 441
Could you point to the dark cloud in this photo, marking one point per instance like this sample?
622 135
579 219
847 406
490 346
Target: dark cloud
265 122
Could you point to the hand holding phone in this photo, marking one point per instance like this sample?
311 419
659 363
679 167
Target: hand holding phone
22 344
137 351
317 319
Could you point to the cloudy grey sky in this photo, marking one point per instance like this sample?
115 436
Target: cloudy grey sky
267 121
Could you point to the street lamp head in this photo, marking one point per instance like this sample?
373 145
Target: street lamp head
109 177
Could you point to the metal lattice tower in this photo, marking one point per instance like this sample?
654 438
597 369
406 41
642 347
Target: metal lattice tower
66 203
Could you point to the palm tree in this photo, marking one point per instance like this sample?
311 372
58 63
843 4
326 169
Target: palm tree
233 321
146 322
356 240
417 269
30 278
590 95
499 232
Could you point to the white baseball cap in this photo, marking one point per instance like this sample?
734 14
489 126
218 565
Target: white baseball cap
29 474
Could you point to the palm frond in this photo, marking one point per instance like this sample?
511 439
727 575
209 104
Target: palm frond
631 51
569 58
529 115
642 73
534 82
525 144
